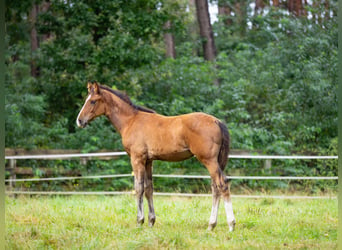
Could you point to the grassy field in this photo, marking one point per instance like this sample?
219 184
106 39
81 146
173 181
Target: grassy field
108 222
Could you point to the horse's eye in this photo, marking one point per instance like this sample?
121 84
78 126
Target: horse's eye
92 102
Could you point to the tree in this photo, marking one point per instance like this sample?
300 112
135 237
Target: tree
259 7
225 11
296 7
33 38
234 14
206 31
169 41
121 43
45 6
241 16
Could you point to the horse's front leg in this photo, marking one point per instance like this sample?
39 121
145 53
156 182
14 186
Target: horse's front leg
149 193
138 165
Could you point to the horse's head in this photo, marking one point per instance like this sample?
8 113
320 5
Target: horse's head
93 106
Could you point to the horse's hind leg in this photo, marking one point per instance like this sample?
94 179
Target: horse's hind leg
221 187
228 206
215 207
149 193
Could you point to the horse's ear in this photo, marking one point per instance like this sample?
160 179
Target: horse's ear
89 87
93 88
96 88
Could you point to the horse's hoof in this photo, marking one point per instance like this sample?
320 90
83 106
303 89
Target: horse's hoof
140 222
231 226
151 221
211 227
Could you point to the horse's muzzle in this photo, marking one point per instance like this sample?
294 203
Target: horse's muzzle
81 123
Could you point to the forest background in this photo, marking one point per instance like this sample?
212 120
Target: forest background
268 69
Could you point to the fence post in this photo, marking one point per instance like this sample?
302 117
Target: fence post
83 161
12 166
268 165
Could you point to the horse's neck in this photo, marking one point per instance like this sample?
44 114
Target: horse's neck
119 112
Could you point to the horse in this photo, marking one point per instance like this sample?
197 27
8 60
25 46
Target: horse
148 136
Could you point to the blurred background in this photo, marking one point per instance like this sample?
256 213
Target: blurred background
268 69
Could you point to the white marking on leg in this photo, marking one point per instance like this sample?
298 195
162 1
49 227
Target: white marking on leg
214 211
215 206
228 205
77 122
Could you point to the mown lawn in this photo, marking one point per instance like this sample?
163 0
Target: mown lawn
108 222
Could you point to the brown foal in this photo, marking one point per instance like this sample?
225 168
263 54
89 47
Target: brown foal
148 136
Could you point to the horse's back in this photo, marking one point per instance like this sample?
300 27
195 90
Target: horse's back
185 125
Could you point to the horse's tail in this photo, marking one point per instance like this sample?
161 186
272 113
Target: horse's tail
224 150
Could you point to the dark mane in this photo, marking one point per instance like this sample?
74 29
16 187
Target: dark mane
126 99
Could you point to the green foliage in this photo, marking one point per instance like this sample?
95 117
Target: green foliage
26 111
285 82
274 84
174 86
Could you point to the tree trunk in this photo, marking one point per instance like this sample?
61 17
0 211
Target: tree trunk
296 7
241 15
275 3
193 29
169 41
259 7
305 12
33 38
225 12
314 14
45 6
299 8
326 10
206 31
290 6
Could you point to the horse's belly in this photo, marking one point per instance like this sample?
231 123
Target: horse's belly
172 156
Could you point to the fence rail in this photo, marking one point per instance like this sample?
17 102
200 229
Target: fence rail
180 176
167 194
13 158
106 154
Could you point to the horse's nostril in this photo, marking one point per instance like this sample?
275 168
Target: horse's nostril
79 122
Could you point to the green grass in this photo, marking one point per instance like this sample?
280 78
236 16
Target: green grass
108 222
